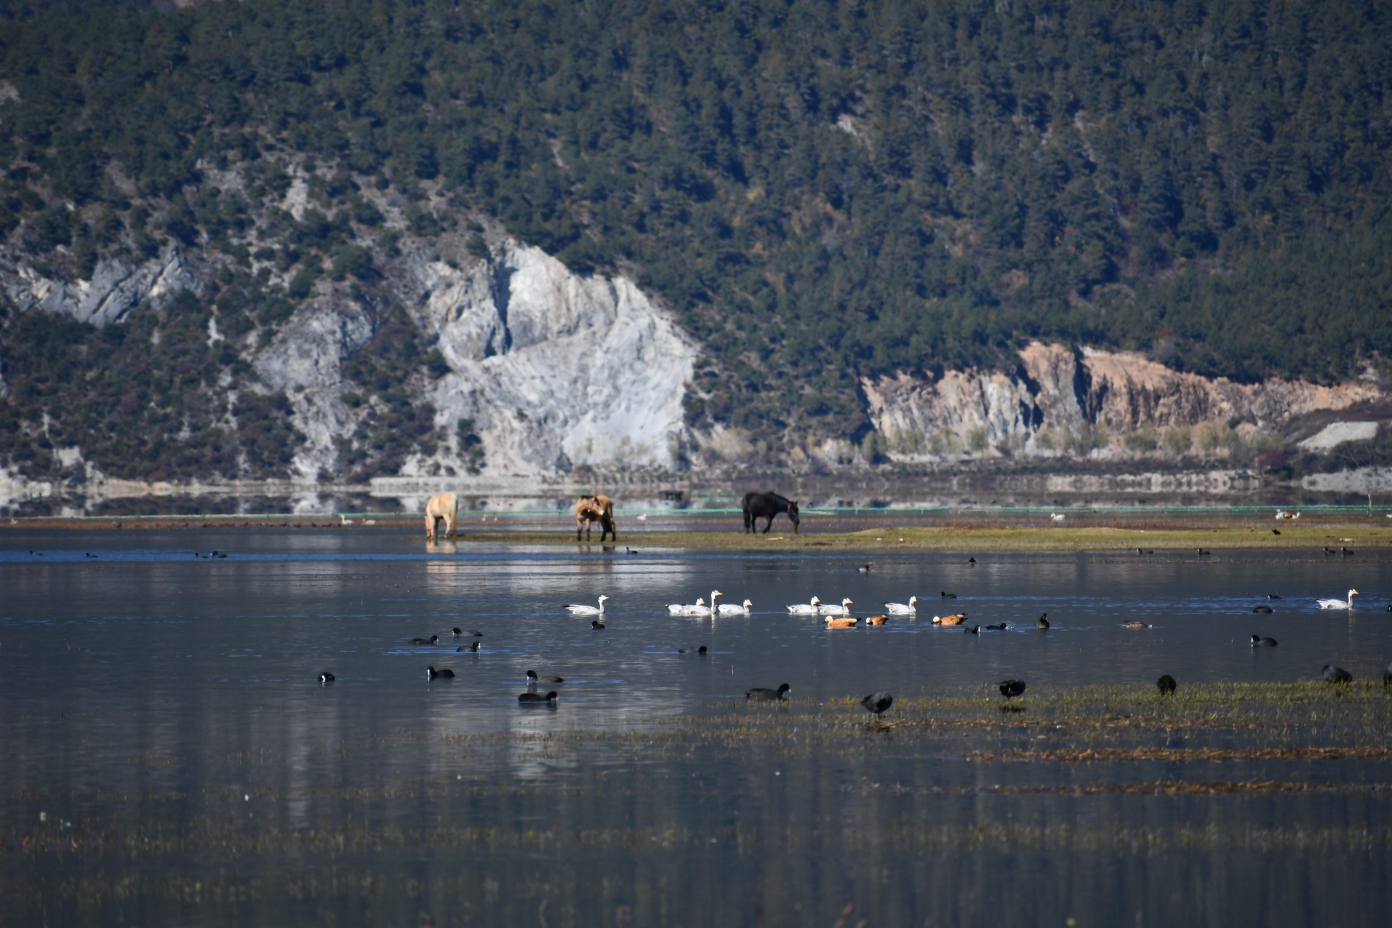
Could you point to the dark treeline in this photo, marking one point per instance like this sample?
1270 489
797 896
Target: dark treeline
820 190
12 10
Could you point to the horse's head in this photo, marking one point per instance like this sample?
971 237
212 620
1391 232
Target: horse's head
793 515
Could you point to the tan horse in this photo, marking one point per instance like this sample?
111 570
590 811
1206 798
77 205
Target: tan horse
441 506
595 509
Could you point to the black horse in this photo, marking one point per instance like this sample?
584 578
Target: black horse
766 506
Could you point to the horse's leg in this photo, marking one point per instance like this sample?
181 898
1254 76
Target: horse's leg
769 525
579 522
430 527
747 527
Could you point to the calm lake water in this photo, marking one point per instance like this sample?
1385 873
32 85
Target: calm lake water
169 756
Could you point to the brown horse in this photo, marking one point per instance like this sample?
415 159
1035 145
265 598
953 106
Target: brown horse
441 506
595 509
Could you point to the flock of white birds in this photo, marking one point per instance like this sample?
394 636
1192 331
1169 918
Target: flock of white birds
817 607
701 607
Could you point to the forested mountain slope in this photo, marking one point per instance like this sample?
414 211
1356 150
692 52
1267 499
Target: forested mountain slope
820 191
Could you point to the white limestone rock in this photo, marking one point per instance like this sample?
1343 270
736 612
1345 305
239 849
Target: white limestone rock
554 369
1337 433
304 361
114 290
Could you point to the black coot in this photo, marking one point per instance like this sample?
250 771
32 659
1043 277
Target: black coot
1334 674
762 692
877 702
1011 688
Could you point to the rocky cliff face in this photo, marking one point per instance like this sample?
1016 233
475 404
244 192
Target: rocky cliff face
555 370
1059 395
305 363
115 288
540 370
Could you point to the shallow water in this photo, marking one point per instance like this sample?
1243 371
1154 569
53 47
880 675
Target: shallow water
162 713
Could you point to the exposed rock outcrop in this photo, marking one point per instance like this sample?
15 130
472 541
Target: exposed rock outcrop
305 362
1056 388
114 289
553 369
550 369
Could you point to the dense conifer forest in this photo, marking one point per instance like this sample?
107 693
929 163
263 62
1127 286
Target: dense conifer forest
819 190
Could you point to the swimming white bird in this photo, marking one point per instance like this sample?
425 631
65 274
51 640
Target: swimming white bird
1338 603
736 610
685 608
907 608
805 608
705 610
344 520
580 609
836 610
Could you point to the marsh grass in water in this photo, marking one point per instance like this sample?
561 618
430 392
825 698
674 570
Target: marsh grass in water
454 827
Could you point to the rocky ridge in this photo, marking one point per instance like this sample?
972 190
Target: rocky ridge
1084 399
535 371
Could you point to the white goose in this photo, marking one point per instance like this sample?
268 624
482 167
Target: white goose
728 609
908 608
836 610
682 608
1338 603
705 610
805 608
581 609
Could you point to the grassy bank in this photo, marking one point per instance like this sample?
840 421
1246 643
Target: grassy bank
986 538
975 534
